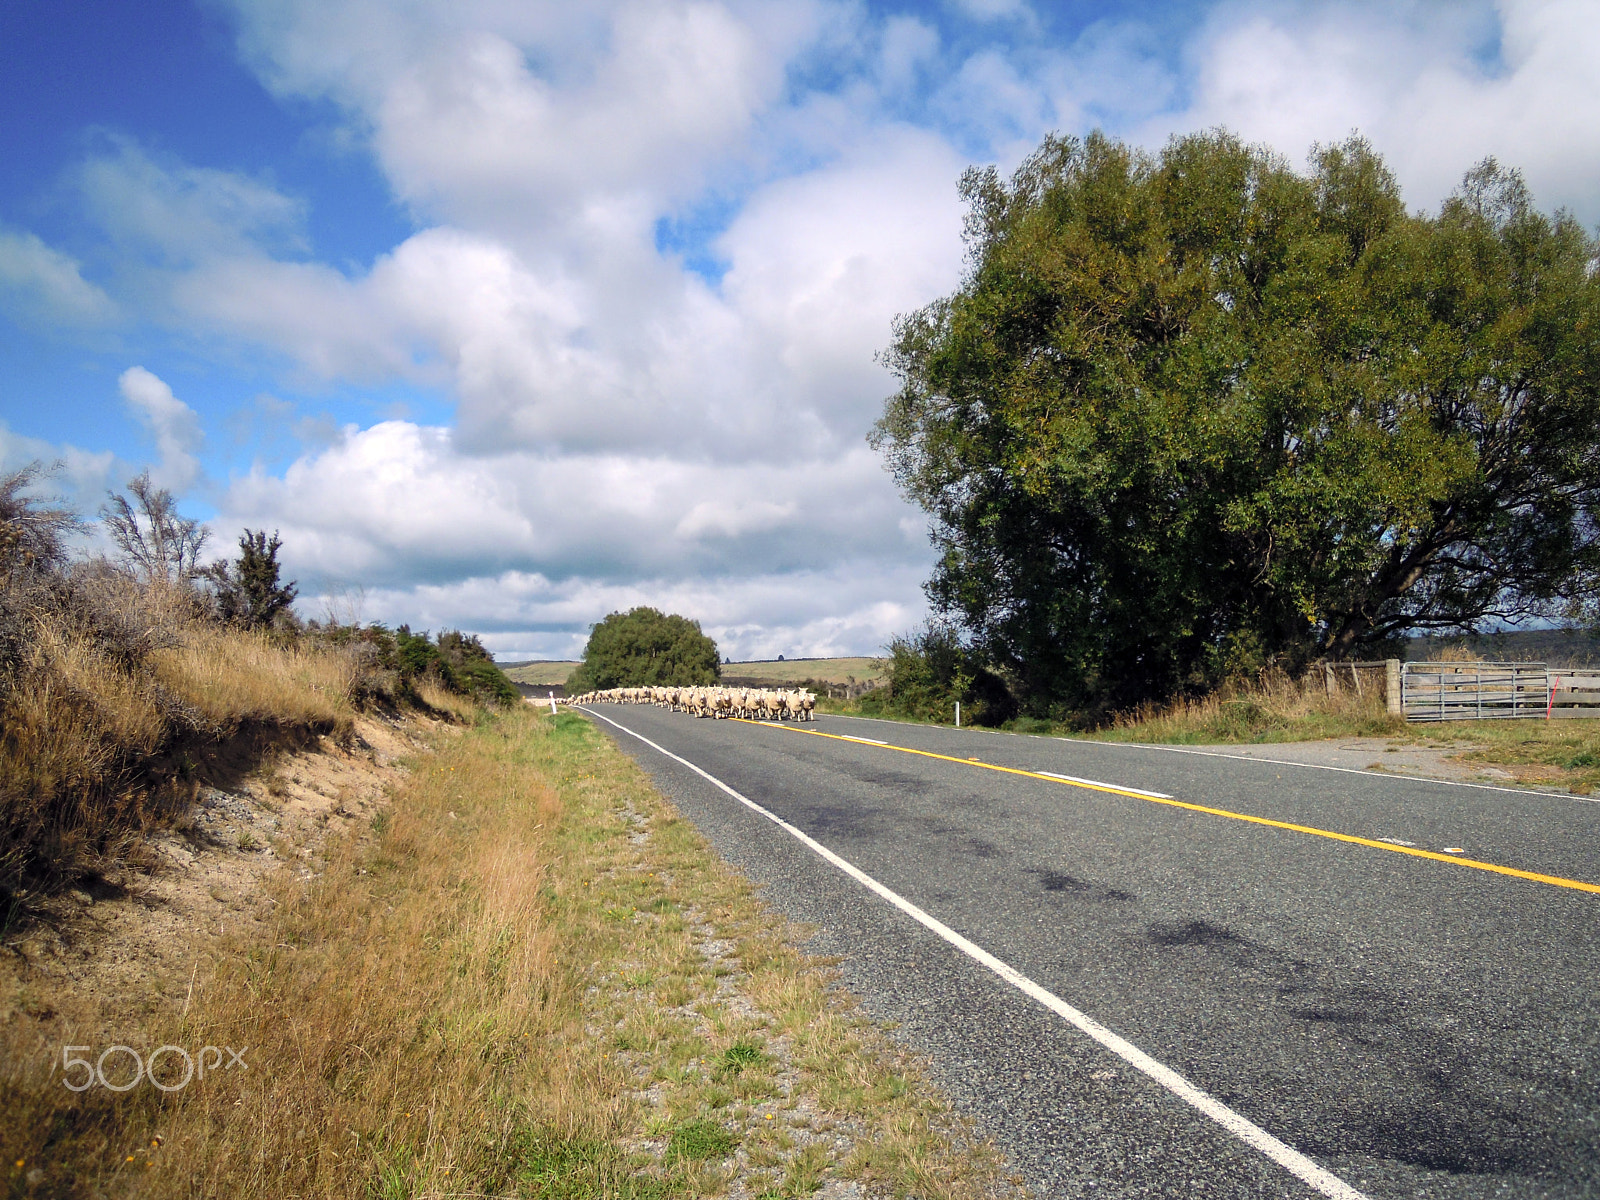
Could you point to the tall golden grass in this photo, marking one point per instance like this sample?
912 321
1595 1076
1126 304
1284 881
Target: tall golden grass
1271 708
232 677
394 995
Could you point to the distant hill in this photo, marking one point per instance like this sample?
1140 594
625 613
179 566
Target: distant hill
772 673
765 673
539 673
1556 647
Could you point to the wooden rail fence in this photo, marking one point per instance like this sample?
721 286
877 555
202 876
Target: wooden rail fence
1495 691
1574 693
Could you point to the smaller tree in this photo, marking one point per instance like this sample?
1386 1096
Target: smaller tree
645 646
247 591
153 539
33 532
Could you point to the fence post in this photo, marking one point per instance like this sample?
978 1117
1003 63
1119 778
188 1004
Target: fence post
1391 685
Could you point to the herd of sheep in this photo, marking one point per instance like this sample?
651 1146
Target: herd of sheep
757 704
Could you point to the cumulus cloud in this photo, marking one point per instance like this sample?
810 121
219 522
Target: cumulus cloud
846 609
41 283
172 424
83 476
1437 88
398 502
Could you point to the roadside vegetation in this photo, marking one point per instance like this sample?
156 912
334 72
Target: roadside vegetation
122 677
928 673
527 976
1271 708
520 973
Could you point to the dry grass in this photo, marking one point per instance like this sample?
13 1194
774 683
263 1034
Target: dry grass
517 983
1273 709
442 700
232 677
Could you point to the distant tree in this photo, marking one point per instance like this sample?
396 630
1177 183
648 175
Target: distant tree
246 591
153 539
1193 413
645 646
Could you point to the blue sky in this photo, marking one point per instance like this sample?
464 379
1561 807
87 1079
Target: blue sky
510 314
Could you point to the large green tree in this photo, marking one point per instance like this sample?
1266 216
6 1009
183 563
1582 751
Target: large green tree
646 646
1194 412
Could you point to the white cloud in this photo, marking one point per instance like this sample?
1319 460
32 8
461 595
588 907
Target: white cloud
39 282
82 475
398 502
993 10
842 610
176 214
1414 78
173 425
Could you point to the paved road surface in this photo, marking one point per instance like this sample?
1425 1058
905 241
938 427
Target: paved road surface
1414 1026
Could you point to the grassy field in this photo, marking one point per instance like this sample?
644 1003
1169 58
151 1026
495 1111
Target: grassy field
791 671
1557 647
1564 754
541 674
768 674
530 977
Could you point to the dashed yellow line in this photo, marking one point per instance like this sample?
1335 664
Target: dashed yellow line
1576 885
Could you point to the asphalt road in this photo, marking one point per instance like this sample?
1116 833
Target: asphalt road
1417 1027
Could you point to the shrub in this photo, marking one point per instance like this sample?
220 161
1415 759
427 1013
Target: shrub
458 662
930 670
246 591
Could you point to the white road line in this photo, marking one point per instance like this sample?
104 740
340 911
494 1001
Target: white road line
868 741
1246 1130
1121 787
1392 776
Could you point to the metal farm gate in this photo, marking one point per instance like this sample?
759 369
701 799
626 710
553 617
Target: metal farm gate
1474 691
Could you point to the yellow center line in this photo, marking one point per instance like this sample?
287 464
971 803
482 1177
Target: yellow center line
1553 880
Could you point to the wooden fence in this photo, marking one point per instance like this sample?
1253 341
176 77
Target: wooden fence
1574 693
1474 691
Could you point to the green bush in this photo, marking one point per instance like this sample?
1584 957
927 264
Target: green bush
930 670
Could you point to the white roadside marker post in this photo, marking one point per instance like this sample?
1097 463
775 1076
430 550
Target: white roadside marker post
552 702
958 714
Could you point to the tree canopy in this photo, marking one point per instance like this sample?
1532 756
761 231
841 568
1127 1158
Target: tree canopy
645 646
1196 412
